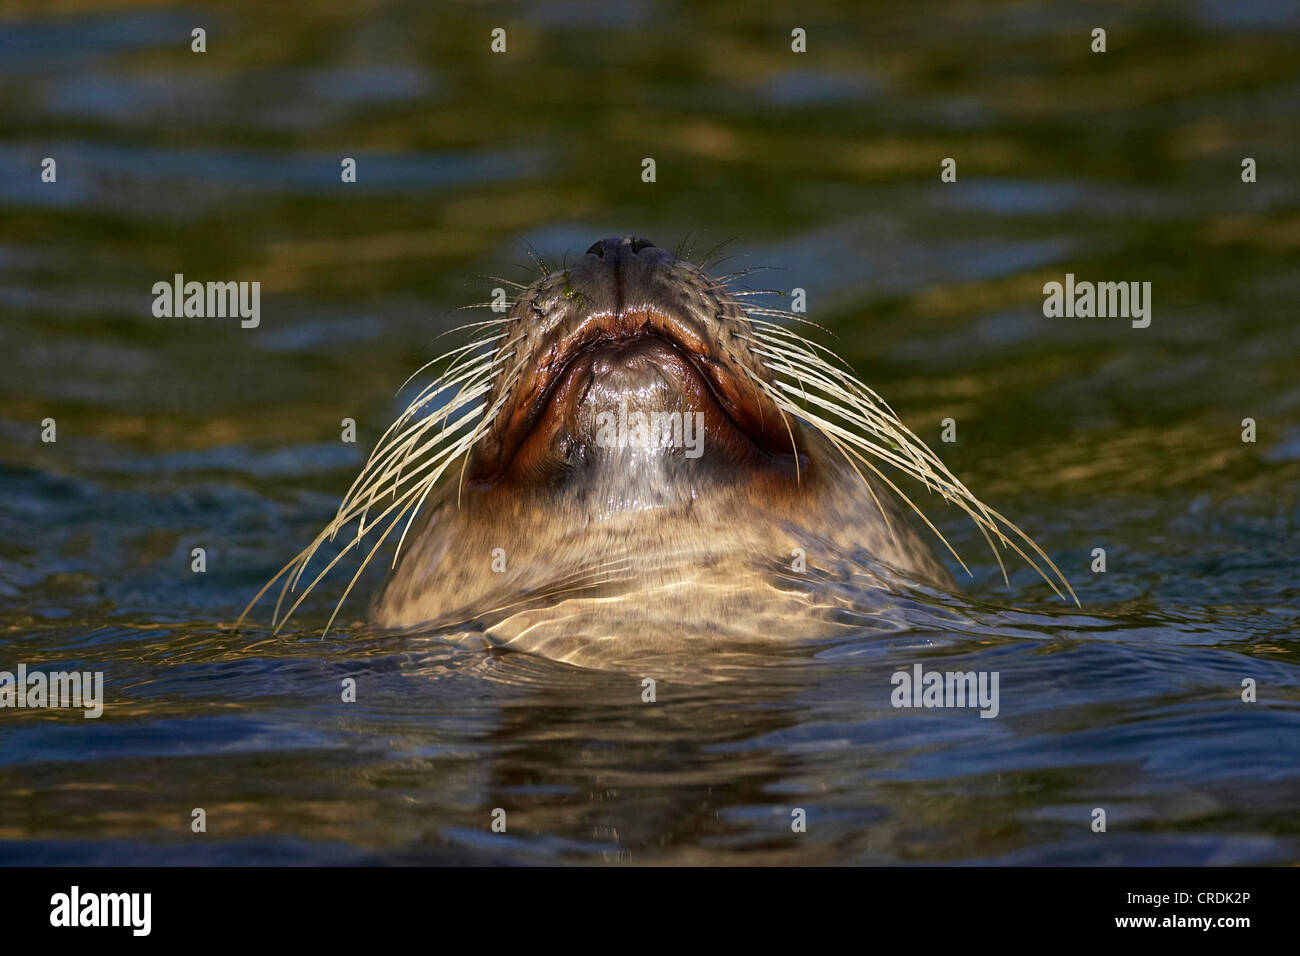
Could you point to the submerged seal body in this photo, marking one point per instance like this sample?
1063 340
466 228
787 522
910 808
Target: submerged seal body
636 463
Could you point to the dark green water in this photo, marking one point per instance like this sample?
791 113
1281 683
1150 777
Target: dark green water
183 433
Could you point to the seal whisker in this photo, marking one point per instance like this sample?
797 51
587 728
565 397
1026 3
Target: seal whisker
477 343
854 385
373 483
731 277
420 488
782 403
403 455
504 281
539 261
393 443
352 507
397 447
789 316
774 333
842 387
984 517
863 413
921 461
961 500
709 259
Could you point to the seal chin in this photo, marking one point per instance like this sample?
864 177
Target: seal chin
632 387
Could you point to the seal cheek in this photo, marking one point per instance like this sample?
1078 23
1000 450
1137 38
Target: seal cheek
548 448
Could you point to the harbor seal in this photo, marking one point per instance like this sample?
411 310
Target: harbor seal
631 461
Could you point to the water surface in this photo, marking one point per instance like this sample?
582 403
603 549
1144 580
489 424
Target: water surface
176 434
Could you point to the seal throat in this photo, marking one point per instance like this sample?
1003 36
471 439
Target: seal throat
651 362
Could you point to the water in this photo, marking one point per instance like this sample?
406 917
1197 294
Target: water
176 434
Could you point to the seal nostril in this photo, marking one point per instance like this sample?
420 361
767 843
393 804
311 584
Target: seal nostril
638 244
597 249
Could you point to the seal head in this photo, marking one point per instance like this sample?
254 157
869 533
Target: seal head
630 461
638 486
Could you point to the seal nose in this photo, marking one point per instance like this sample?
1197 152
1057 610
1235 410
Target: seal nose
633 244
